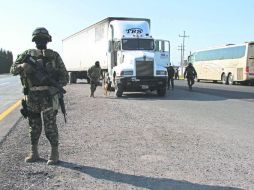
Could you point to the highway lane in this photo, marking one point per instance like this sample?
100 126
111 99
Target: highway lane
10 91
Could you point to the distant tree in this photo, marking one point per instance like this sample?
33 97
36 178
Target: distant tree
6 60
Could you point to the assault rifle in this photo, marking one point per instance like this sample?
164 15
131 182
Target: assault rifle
42 75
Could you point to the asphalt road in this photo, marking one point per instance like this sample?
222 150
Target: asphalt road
10 91
200 139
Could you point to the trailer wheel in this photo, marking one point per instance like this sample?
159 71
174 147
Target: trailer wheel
88 80
161 92
73 77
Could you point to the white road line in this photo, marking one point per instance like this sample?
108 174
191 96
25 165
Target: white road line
4 83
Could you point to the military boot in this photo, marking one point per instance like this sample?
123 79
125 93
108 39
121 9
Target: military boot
54 156
33 155
92 94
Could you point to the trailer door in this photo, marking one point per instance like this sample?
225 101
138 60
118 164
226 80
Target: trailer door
250 61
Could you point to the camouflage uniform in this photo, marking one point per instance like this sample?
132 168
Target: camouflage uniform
42 98
171 73
190 73
94 74
177 74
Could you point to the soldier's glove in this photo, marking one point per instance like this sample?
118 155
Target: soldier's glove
27 68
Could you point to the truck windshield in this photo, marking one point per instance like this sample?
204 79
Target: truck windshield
137 44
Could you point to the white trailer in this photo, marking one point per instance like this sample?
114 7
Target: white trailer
126 51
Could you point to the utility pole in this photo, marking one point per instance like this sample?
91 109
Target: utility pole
180 48
183 36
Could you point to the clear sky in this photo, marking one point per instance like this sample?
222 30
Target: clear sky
208 22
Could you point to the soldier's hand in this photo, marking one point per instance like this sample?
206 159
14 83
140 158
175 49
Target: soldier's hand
27 68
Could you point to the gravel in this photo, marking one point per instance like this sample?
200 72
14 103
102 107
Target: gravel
133 142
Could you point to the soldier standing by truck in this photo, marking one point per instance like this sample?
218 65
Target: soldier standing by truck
43 74
94 74
171 73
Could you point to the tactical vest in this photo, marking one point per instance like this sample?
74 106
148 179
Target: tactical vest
46 59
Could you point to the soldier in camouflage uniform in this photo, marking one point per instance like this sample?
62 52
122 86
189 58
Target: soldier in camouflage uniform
190 73
42 99
171 74
94 74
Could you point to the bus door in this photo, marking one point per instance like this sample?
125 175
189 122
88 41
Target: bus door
250 65
162 52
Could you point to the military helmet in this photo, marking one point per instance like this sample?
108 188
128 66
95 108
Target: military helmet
97 63
41 32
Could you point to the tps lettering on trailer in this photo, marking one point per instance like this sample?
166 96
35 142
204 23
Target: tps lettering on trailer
134 31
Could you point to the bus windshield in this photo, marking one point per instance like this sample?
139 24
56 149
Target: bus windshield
138 44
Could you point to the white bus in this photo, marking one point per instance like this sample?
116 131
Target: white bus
229 64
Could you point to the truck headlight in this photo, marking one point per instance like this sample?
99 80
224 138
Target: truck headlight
161 72
126 73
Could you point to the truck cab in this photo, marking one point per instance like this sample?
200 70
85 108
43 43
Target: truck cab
138 62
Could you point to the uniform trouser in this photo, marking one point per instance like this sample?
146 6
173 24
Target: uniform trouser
93 86
42 102
190 81
170 82
50 127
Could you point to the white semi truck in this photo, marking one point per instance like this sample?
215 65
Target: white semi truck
132 58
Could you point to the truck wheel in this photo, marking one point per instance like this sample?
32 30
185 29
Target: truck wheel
161 92
73 77
118 90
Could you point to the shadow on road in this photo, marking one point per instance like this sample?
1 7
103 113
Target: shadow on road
140 181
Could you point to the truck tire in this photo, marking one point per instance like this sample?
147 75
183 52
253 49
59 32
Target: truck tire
118 90
73 77
161 92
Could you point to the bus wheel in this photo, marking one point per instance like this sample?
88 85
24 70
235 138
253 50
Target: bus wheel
230 79
224 79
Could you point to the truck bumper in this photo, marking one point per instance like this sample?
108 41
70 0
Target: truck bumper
133 84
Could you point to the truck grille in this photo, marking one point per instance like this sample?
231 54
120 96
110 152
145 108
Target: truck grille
144 68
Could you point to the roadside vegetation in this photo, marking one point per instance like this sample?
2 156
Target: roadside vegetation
6 60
